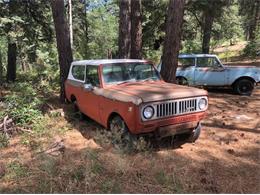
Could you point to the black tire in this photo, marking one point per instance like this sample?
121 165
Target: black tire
181 81
244 87
195 134
121 135
75 106
77 111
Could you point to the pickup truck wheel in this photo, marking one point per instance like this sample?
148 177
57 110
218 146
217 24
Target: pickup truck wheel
195 134
244 87
181 81
121 134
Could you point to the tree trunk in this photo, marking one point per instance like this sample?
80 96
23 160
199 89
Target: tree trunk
63 43
207 28
255 20
11 62
70 22
124 39
1 69
86 19
136 29
172 40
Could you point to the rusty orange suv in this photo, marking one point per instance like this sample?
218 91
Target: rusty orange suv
128 96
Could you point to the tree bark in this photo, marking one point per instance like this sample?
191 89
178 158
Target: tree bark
86 20
124 39
63 43
1 69
172 40
70 22
11 62
255 20
136 29
207 28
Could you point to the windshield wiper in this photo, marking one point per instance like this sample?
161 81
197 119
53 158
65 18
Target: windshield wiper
127 81
149 79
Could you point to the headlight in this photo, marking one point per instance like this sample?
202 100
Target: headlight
148 112
203 103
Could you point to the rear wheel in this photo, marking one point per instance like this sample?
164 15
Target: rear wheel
244 87
77 111
121 134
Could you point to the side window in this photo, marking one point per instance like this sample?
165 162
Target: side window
209 62
186 62
78 72
92 76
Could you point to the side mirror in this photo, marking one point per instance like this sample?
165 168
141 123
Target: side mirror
88 87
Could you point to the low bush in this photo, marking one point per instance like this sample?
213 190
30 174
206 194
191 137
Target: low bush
252 49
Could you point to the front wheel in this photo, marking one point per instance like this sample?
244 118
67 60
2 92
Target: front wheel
195 134
244 87
121 134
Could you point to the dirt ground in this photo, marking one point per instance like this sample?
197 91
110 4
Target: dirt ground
225 159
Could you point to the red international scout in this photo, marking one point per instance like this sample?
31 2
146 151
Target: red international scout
129 96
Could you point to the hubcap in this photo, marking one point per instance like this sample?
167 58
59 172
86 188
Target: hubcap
245 87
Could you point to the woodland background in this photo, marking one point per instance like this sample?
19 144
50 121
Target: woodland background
45 147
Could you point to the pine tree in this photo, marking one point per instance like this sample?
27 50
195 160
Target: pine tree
172 40
63 43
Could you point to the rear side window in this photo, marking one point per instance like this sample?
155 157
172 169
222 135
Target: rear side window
92 76
210 62
185 62
78 72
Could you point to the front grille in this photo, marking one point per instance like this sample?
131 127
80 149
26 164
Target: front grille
175 107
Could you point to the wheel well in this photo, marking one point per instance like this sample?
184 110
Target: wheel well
244 77
112 115
181 77
72 98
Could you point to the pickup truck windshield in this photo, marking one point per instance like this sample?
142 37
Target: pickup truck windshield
128 72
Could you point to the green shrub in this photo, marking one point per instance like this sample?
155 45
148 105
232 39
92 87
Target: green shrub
252 48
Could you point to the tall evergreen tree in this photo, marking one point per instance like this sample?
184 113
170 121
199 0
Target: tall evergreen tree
172 40
136 29
1 69
124 40
250 10
63 43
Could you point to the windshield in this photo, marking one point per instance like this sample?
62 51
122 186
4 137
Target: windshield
128 72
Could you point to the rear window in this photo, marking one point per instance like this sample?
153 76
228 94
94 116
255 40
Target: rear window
78 72
92 76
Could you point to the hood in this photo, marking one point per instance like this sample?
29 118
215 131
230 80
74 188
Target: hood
242 67
149 91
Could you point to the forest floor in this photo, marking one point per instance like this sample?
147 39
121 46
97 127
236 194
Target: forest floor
225 159
65 154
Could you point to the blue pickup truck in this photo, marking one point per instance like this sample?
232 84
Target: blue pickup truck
207 70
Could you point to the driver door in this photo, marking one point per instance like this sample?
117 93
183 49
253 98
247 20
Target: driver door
209 72
91 101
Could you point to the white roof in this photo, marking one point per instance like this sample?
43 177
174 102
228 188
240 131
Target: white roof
107 61
196 55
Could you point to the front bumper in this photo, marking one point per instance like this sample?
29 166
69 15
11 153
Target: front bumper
172 130
188 121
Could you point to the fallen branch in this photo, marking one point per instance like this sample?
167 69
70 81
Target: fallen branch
55 147
24 130
5 129
7 122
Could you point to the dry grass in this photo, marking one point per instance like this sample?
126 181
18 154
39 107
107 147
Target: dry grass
224 160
